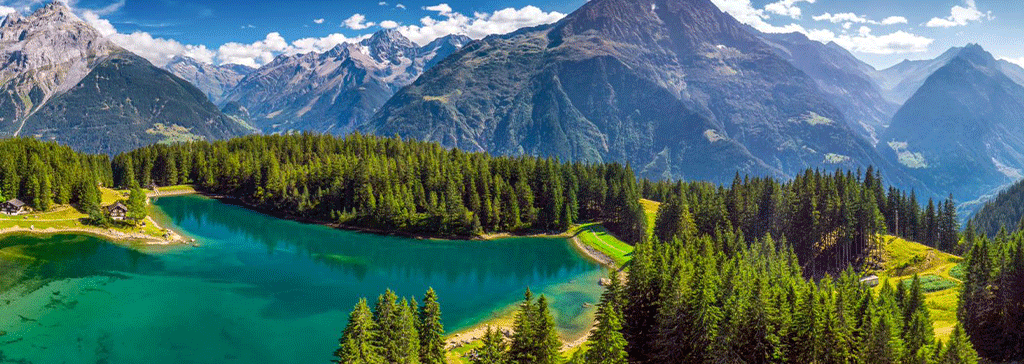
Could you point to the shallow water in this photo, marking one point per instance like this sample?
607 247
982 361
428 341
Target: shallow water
258 289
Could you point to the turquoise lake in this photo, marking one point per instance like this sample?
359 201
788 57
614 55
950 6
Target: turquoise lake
258 289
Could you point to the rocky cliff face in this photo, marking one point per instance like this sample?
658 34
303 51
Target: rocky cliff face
677 88
334 91
42 55
215 81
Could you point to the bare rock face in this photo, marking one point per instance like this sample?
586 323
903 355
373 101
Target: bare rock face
213 80
334 91
41 55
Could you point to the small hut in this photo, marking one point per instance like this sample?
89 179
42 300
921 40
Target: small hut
117 211
870 281
14 207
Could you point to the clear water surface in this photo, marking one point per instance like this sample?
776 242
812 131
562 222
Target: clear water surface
258 289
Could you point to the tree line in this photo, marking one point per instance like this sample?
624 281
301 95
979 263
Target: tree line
1006 210
395 185
832 220
44 174
991 305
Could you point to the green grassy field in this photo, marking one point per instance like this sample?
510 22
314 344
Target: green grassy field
902 259
651 210
596 236
64 217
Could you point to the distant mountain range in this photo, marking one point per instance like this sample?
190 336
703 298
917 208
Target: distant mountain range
330 92
676 88
61 80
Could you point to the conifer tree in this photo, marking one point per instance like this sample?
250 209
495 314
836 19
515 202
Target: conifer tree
408 337
431 330
358 343
606 344
493 350
523 349
548 345
387 315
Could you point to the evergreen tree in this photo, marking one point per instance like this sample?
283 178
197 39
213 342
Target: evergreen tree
548 345
606 344
523 349
357 345
430 330
388 317
493 350
136 205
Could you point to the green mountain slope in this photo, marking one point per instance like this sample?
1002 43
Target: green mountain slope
125 103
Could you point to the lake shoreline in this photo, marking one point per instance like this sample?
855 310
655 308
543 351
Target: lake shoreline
110 234
240 202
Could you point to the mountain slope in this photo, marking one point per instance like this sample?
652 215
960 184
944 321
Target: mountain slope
334 91
963 131
42 55
125 103
901 81
213 80
677 88
847 80
63 81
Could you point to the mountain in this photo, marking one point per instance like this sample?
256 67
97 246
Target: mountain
43 55
676 88
213 80
962 132
1012 70
1006 210
848 81
65 82
901 81
334 91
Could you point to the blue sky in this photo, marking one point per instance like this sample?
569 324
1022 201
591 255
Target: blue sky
881 32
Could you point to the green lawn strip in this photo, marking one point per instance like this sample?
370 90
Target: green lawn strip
651 210
597 236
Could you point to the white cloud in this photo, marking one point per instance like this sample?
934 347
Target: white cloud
746 13
442 9
1018 61
253 54
899 42
382 3
357 22
479 25
960 16
787 8
400 6
319 21
844 18
894 20
389 24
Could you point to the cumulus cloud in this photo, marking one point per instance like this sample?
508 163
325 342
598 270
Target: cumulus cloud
960 16
864 42
894 20
4 10
746 13
389 24
253 54
477 26
787 8
319 21
400 6
844 18
357 22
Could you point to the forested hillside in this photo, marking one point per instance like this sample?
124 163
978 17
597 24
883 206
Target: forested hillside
398 186
992 301
1006 210
831 220
43 174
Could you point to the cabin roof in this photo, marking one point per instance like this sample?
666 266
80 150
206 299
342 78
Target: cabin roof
16 202
118 206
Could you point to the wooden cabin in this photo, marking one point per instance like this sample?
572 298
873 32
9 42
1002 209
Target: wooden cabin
870 281
14 207
118 211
